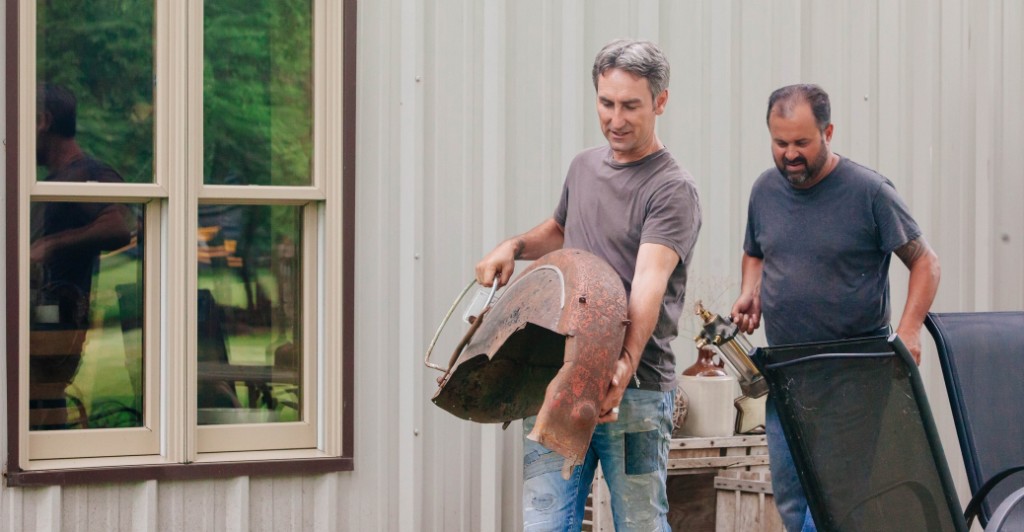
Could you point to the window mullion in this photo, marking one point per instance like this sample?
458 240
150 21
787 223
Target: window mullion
177 256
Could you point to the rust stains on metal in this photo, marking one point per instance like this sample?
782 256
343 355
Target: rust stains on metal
548 347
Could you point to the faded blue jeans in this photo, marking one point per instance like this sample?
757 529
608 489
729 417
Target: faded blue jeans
633 453
788 493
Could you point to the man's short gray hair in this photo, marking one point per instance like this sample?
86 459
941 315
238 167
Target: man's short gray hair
640 58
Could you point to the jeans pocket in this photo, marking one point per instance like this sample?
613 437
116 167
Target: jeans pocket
642 450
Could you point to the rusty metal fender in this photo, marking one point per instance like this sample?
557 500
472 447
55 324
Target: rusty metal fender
548 347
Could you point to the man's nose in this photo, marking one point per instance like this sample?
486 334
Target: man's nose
617 118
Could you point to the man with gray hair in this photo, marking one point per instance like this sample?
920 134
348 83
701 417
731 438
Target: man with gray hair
631 204
821 230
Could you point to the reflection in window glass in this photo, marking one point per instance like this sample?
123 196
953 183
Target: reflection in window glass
257 92
85 311
249 318
97 56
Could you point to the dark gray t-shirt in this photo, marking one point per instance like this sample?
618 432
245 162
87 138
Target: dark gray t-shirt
610 208
826 252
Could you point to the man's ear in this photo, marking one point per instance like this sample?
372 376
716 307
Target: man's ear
43 122
660 101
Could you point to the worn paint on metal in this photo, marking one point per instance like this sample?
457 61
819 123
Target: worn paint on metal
548 347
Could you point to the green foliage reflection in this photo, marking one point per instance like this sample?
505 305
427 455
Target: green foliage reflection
257 86
102 50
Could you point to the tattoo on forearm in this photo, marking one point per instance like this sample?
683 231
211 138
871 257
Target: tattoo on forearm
911 251
518 246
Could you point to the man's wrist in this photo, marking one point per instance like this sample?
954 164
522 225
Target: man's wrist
628 356
631 364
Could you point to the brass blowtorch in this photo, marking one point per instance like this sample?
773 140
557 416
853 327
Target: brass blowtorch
734 347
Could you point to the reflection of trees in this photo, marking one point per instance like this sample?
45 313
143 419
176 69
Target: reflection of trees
257 84
257 91
102 51
257 115
257 99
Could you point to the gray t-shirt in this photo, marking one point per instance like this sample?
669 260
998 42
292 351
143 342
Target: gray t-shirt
610 208
826 252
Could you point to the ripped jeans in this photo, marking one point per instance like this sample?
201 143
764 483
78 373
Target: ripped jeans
633 453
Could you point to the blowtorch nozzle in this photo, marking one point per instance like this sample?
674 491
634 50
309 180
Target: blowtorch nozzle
734 347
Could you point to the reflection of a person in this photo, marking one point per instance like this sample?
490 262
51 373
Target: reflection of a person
66 240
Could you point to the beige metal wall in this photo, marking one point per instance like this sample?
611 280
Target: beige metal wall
469 112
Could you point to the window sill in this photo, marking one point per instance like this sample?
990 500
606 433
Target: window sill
227 465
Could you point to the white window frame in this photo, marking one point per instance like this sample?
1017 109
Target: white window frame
171 435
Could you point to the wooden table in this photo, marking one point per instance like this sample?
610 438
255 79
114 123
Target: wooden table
714 484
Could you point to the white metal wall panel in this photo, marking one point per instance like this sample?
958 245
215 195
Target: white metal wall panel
898 80
469 113
1009 185
369 497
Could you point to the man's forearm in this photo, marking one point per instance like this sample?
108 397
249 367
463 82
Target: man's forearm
655 264
922 287
746 311
751 269
537 242
111 229
642 313
533 244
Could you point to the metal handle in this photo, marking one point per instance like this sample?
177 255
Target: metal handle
455 304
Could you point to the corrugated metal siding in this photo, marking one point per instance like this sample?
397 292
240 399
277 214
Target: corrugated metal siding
469 113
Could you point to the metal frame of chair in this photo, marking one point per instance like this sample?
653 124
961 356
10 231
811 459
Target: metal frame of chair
982 359
904 481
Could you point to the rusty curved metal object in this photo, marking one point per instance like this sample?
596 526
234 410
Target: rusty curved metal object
548 347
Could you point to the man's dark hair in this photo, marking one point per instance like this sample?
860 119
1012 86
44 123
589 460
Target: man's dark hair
787 97
61 105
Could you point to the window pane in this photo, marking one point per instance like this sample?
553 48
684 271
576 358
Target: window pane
85 341
257 92
95 72
249 316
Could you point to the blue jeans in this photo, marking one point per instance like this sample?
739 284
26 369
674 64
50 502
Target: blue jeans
788 493
633 453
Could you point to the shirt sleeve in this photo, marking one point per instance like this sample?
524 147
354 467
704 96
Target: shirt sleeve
673 218
895 224
562 209
750 244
